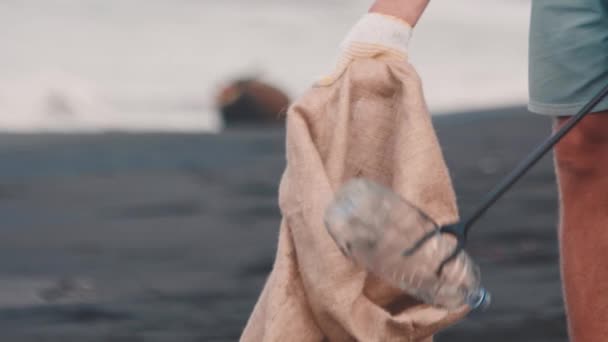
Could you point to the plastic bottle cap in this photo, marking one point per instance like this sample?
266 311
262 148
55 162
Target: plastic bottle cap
481 301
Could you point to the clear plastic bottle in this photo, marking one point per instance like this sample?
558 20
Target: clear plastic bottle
374 226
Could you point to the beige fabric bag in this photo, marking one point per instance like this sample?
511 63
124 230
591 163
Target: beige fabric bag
369 119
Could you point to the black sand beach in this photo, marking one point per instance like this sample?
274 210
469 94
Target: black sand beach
154 237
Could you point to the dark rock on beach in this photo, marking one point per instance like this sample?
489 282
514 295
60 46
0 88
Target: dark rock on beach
251 101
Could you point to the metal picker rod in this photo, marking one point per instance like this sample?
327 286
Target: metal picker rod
530 161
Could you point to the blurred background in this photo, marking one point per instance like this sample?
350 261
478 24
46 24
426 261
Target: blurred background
141 146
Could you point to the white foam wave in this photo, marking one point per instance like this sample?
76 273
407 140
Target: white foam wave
59 102
130 65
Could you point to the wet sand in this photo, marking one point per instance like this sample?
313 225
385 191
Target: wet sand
154 237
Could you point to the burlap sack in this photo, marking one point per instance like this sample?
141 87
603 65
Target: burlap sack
368 119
